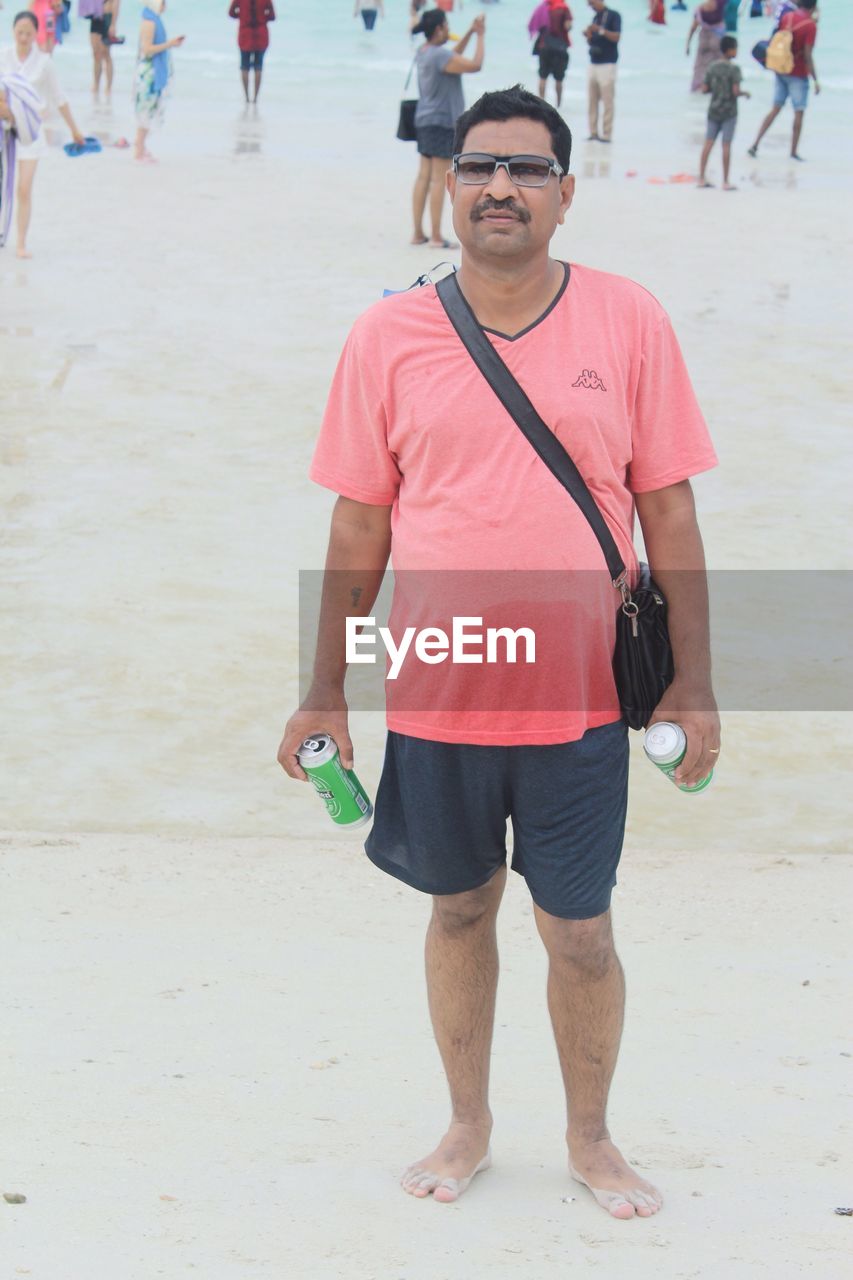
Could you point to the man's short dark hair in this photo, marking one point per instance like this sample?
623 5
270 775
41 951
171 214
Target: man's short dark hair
727 42
807 4
510 104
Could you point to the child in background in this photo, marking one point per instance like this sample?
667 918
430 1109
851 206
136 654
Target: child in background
722 81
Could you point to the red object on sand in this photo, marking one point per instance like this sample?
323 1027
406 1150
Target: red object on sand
657 12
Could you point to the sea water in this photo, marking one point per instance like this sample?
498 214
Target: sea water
331 90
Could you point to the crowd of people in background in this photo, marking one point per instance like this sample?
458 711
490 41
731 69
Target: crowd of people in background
440 62
551 22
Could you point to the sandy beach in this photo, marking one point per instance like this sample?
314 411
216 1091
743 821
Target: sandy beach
217 1050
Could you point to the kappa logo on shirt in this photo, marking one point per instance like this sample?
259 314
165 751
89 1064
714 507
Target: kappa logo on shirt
589 379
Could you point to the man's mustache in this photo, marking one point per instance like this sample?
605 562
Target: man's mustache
502 206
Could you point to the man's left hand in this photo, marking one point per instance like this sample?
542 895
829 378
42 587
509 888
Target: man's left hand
695 709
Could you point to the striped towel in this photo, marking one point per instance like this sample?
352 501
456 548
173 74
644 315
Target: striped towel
27 108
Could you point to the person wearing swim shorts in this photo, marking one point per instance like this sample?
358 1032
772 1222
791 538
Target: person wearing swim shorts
722 81
803 28
552 47
102 16
253 39
440 103
430 468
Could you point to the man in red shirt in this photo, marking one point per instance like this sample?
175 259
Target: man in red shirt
795 86
253 38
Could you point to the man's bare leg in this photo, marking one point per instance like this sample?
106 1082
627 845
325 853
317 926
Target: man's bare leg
703 163
543 85
462 979
244 76
257 84
765 125
559 87
727 162
586 1000
795 137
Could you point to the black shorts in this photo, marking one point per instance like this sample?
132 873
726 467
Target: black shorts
435 140
553 62
442 808
100 26
252 59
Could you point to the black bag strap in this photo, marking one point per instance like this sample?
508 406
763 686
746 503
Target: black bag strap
409 76
518 406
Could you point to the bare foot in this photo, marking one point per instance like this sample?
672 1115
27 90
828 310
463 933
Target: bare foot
421 239
615 1185
23 253
703 182
446 1172
729 186
443 244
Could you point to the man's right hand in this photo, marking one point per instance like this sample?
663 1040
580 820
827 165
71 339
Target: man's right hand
319 713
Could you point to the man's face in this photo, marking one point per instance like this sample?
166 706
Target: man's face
500 219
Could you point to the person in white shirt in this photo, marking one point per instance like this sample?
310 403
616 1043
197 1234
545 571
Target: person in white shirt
25 58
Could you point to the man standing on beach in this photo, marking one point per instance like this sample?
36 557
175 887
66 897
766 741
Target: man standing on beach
795 86
602 36
428 464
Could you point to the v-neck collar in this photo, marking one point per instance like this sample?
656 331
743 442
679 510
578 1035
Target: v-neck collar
513 337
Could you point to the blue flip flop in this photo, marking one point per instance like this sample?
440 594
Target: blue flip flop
80 148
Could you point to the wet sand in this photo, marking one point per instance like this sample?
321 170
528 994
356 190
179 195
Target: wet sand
219 1062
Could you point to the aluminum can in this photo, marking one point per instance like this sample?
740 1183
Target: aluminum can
346 800
665 744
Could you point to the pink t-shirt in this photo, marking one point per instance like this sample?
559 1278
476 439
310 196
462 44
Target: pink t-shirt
411 423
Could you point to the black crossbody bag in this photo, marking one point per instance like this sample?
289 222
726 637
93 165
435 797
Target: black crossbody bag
642 658
406 130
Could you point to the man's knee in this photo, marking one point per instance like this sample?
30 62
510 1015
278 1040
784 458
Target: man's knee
454 911
585 946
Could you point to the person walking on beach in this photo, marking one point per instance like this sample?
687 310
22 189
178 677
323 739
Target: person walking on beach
26 59
440 103
429 467
708 21
602 36
369 12
103 17
153 72
795 85
253 39
722 81
552 47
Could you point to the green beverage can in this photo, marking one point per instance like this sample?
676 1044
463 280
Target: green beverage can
345 798
665 744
